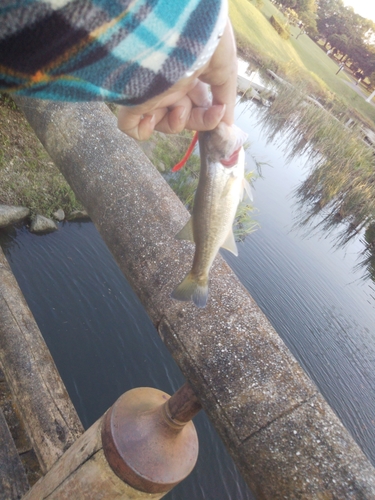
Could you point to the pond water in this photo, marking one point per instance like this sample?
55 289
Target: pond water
313 294
104 344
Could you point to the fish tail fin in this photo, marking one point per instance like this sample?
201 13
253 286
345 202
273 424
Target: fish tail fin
192 289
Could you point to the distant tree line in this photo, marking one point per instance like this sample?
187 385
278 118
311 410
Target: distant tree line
350 36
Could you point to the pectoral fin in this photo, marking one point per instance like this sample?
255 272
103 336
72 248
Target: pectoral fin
240 135
246 191
230 243
186 232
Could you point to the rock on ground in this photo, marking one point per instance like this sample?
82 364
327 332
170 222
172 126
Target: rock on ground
78 214
41 224
10 215
59 214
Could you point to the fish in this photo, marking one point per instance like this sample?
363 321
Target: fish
221 187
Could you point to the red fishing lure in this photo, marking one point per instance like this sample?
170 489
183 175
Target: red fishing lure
181 163
226 163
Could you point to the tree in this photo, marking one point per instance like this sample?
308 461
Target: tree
329 8
336 19
289 3
347 32
306 6
363 58
309 21
338 43
329 17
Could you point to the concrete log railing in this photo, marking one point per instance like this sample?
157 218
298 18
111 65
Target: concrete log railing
283 436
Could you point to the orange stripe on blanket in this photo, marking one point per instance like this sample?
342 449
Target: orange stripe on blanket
40 77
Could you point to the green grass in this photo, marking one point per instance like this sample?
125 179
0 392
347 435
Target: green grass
28 177
299 60
253 26
322 67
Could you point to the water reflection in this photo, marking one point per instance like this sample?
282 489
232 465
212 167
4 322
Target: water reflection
367 258
337 196
9 239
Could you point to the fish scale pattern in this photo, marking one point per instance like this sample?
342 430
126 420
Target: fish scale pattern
119 51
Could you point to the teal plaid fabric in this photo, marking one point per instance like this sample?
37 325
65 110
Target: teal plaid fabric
114 50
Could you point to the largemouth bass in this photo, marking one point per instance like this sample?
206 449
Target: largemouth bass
220 189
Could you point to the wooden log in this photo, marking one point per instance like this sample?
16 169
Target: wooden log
19 434
39 393
13 480
83 473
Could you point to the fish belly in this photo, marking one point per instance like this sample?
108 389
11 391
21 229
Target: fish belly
215 208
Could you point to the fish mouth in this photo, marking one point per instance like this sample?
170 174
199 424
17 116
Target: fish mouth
232 160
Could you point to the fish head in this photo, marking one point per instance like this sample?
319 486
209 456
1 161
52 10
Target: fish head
222 144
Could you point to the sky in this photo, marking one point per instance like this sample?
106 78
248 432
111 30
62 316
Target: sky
365 8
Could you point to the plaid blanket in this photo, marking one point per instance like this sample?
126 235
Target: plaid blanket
124 51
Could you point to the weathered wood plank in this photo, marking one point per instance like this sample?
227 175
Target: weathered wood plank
31 465
12 417
18 432
77 454
83 473
95 481
13 480
39 393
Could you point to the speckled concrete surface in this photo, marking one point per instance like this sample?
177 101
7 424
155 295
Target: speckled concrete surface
285 439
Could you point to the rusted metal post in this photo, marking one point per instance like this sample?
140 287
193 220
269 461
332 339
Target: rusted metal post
183 405
140 449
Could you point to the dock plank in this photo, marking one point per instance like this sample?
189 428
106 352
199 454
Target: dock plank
50 420
13 480
18 431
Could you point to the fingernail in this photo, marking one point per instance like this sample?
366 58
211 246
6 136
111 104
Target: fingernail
152 121
223 110
183 114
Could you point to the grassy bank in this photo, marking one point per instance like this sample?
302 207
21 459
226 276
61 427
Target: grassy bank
28 177
300 61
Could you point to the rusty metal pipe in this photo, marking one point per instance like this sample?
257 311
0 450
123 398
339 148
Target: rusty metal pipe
183 405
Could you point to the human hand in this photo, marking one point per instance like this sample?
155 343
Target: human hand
187 103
